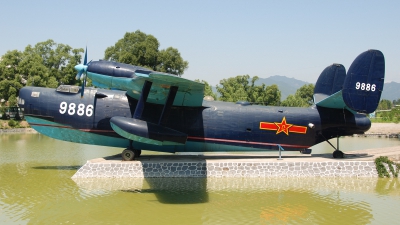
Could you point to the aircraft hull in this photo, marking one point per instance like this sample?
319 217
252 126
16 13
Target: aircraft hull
213 127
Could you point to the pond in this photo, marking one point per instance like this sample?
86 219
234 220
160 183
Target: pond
36 188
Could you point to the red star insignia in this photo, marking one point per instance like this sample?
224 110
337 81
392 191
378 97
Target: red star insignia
283 126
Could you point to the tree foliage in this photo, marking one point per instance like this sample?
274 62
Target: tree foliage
240 88
138 48
207 89
45 65
10 79
385 104
302 98
294 101
392 115
52 60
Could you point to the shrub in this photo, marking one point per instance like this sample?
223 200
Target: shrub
12 123
381 169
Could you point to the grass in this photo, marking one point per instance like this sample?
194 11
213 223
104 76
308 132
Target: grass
384 120
8 124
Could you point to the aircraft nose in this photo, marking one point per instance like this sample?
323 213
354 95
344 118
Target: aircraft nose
24 94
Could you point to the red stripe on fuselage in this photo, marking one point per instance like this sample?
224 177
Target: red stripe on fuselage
247 142
268 126
298 129
192 138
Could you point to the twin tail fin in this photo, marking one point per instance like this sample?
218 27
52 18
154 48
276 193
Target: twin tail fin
359 91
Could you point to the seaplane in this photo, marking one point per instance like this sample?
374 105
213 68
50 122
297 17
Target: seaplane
137 109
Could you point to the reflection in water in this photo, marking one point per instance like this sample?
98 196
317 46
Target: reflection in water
36 188
388 187
271 200
179 190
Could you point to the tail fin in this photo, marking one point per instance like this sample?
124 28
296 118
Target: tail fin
329 82
362 87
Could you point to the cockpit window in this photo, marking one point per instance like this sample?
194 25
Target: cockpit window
63 88
68 89
74 89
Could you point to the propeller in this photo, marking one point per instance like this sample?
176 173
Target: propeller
82 72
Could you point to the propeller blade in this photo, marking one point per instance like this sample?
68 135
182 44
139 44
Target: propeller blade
83 77
82 74
83 87
85 59
78 76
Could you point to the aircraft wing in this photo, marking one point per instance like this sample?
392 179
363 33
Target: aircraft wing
189 93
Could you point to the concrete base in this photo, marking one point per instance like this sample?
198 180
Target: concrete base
356 164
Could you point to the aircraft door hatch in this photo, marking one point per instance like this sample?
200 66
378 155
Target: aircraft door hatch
102 111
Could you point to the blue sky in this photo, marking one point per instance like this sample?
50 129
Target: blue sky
219 39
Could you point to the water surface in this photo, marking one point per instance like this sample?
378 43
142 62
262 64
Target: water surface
36 188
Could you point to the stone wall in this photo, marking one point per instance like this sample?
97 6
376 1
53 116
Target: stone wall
120 169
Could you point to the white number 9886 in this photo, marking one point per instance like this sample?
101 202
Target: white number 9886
365 86
80 111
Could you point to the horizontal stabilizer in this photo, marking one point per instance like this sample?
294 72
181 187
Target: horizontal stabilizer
146 132
334 101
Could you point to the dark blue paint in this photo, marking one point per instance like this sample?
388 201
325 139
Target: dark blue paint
214 126
216 122
329 81
367 68
115 69
142 100
168 104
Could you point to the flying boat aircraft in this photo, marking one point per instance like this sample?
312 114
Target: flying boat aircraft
136 108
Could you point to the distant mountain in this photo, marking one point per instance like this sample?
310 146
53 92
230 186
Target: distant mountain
391 91
288 86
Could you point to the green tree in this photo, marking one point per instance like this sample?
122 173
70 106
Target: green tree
294 101
138 48
302 98
36 74
306 92
384 104
396 114
170 61
53 62
46 65
234 89
10 79
264 95
240 88
207 89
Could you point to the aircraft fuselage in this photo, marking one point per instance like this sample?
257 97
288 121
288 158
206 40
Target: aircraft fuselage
215 126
